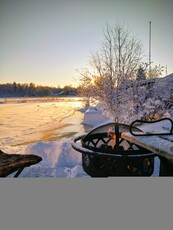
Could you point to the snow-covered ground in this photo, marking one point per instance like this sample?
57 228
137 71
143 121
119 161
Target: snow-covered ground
46 128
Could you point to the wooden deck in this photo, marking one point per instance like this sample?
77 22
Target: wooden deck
162 145
10 163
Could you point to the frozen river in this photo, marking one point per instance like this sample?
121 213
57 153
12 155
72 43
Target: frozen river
31 120
45 127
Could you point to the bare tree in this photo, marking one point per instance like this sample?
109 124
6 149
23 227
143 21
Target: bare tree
155 72
85 88
115 64
118 79
146 72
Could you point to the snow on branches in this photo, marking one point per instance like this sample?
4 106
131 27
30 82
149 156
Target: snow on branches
118 80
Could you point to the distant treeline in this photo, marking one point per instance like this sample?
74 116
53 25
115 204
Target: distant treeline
31 90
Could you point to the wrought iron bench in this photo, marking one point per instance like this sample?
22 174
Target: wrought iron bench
159 143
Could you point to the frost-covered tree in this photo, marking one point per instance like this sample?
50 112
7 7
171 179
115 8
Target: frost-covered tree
115 65
86 88
155 71
119 78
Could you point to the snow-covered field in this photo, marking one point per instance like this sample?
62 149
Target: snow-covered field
46 127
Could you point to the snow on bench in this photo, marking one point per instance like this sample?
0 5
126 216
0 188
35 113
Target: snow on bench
161 145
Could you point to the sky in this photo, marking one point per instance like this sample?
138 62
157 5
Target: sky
48 41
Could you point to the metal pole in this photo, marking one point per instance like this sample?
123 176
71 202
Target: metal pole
117 134
149 47
166 71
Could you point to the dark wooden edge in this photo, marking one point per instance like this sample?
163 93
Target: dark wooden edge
9 163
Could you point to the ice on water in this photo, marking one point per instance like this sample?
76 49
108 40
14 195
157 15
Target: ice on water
45 128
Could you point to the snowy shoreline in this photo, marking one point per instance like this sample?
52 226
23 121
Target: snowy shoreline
43 128
59 159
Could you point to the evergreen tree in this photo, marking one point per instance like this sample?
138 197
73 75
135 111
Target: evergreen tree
140 74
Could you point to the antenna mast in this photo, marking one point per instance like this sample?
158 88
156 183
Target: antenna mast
149 48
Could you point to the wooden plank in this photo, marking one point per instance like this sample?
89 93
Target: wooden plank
10 163
156 144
